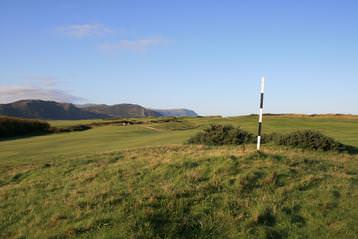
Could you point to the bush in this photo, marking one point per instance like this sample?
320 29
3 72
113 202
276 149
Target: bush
309 139
222 135
270 138
305 139
73 128
12 126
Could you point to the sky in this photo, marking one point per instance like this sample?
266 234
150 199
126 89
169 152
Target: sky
207 55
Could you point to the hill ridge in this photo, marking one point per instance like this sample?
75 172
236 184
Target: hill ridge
52 110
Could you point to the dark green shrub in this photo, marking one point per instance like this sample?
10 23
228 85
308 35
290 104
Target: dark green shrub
165 120
309 139
270 138
72 128
305 139
12 126
222 135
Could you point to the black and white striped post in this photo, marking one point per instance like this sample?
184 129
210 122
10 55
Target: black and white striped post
260 113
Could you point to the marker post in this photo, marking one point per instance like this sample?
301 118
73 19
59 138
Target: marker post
260 113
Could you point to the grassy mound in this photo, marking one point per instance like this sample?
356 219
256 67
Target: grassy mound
222 135
182 192
12 127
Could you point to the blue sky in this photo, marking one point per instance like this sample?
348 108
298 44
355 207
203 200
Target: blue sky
204 55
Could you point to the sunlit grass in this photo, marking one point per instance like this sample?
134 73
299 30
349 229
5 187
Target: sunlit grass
140 181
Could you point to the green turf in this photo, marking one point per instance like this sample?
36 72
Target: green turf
140 181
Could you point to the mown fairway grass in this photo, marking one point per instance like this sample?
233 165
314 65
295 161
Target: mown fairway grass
140 181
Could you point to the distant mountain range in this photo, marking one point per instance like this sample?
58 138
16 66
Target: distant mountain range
121 110
177 112
40 109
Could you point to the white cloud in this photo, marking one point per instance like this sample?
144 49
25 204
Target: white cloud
17 92
139 45
85 30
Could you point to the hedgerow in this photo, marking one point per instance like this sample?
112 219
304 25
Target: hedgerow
12 126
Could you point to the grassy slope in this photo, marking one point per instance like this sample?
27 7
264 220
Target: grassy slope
102 182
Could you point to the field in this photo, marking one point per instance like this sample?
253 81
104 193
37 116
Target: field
143 181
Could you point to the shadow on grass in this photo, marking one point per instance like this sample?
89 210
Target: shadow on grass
53 130
351 149
17 178
24 136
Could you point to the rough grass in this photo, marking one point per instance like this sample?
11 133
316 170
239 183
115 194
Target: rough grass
107 183
183 192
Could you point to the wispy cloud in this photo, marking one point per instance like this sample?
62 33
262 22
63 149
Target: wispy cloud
85 30
14 93
43 81
138 45
39 87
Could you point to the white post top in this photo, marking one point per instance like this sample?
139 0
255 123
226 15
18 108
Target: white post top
262 84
